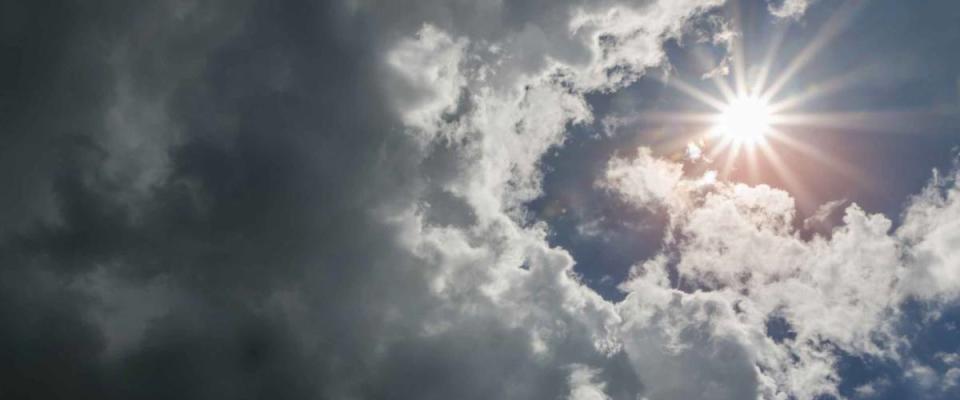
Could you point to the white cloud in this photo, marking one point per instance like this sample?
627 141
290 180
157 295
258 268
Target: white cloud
625 39
503 102
584 385
694 152
932 228
789 8
431 77
686 346
951 378
644 181
520 88
506 100
736 247
872 389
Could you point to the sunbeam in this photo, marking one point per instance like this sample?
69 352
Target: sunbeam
752 112
837 23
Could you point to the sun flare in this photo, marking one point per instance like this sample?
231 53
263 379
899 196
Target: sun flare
753 112
745 120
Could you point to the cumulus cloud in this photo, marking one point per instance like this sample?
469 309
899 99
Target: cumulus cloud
644 181
329 200
932 228
738 247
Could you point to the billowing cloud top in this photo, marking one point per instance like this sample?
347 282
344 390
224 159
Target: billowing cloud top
258 199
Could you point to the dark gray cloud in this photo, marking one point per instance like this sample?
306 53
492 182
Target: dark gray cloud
271 149
198 218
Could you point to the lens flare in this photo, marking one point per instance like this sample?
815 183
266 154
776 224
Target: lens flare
744 120
751 117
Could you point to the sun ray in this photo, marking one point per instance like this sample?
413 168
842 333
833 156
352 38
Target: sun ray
752 169
845 169
837 22
718 79
675 144
718 149
752 118
733 151
796 186
724 88
667 139
697 94
767 62
908 121
687 117
729 163
739 60
818 89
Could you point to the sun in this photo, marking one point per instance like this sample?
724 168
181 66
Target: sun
744 120
755 113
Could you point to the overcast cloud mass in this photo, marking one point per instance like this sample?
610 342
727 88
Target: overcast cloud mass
461 199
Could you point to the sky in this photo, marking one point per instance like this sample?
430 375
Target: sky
505 199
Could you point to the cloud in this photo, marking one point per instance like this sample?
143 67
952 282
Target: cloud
872 389
644 181
682 346
932 229
429 63
583 385
843 292
826 217
302 200
788 8
252 205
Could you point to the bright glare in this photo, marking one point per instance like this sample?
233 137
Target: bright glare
745 120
